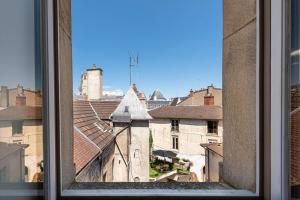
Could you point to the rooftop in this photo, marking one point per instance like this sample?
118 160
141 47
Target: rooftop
157 95
21 113
188 112
131 107
91 134
105 108
215 147
84 151
6 149
87 122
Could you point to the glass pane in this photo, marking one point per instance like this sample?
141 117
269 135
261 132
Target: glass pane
21 97
295 101
137 122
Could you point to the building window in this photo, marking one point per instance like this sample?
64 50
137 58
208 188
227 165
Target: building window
17 127
175 142
175 125
212 127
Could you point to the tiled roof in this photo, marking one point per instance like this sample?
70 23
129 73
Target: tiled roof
84 151
6 149
215 147
21 113
91 134
88 123
105 108
188 112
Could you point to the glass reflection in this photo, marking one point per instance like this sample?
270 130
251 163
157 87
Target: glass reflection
295 101
21 126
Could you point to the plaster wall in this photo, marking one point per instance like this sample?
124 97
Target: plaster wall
33 136
191 134
239 93
139 152
94 87
14 167
121 154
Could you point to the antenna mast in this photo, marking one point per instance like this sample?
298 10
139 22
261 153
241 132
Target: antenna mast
133 61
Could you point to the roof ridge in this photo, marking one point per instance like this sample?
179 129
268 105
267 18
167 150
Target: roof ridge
87 138
94 111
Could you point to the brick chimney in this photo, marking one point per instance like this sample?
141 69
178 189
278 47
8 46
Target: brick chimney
20 101
191 93
209 100
4 97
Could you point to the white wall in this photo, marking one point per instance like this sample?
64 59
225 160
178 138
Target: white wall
191 134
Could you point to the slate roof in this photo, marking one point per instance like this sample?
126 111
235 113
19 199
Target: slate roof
157 95
21 113
105 108
188 112
131 107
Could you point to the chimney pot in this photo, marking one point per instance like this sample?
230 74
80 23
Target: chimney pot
191 92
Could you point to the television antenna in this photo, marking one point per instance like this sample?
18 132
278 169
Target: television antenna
133 61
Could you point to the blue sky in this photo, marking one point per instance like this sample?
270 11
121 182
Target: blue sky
179 43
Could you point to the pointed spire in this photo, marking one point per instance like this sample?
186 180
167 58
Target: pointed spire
130 108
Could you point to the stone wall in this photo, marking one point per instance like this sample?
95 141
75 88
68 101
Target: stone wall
191 134
33 136
239 93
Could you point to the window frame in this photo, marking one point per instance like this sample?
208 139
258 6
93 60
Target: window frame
17 123
214 123
263 181
175 126
175 142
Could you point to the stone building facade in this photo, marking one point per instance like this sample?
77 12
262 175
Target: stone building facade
182 129
22 124
131 129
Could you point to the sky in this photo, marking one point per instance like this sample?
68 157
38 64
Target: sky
17 44
179 43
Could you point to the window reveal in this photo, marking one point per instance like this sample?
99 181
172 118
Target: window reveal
175 142
175 125
212 127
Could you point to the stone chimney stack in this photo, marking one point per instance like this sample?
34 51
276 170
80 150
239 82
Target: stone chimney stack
94 83
4 97
20 101
209 100
210 89
20 90
191 93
